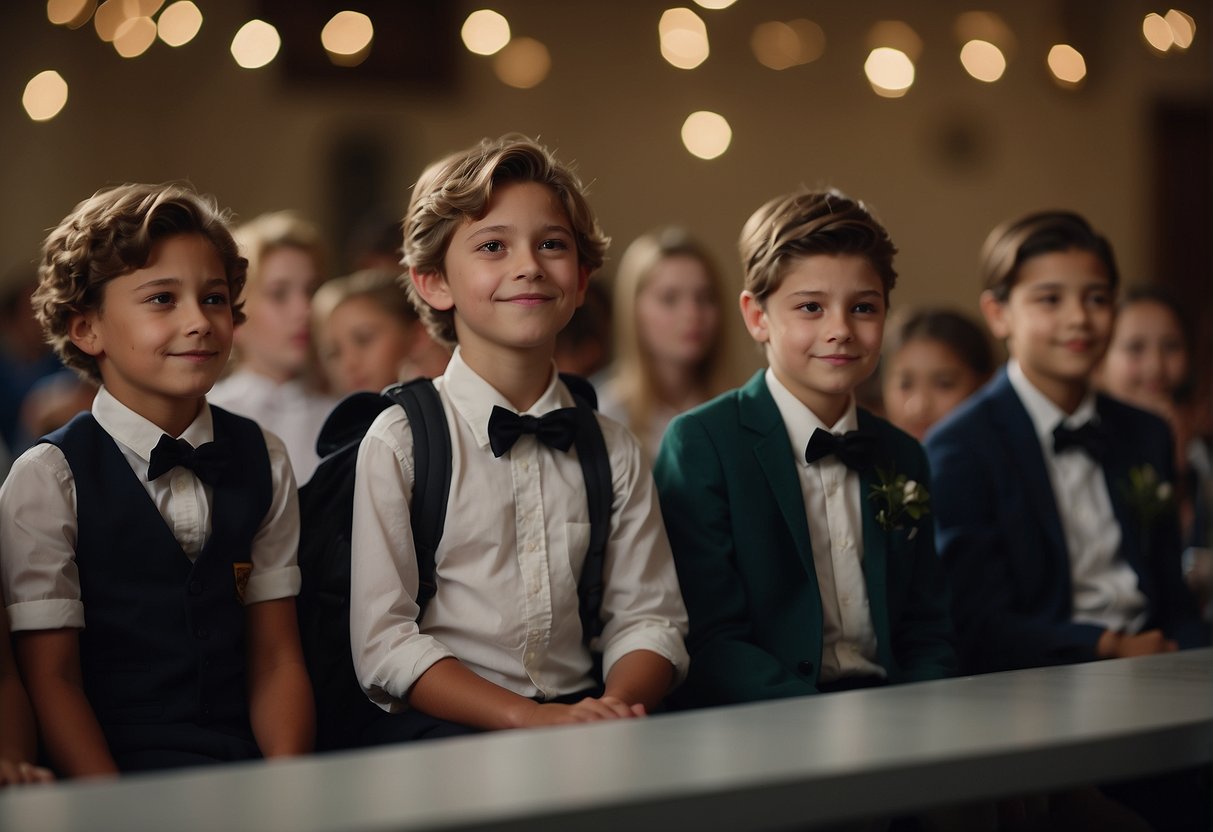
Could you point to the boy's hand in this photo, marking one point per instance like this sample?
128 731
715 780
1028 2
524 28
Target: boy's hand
1121 646
590 709
12 773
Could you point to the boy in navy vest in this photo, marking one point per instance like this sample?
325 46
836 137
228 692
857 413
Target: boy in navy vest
1051 503
148 547
500 244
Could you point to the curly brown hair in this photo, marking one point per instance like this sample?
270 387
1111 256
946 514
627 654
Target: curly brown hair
111 234
460 187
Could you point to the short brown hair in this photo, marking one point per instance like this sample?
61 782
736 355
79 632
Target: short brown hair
111 234
460 187
807 222
1013 243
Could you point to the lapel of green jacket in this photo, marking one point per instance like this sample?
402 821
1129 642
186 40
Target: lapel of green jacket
875 541
774 452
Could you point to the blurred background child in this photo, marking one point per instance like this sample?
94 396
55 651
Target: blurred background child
275 378
1148 365
934 360
369 334
669 341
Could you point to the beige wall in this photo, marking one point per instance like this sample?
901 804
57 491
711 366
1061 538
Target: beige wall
612 104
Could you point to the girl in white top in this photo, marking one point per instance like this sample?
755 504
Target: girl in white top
274 376
669 340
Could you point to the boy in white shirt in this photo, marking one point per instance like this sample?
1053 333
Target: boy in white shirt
500 244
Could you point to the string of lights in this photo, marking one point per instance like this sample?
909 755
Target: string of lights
987 46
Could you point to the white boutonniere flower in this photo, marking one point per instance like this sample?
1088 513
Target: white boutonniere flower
899 499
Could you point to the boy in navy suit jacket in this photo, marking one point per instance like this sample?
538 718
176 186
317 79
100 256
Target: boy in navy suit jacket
1051 504
797 519
147 548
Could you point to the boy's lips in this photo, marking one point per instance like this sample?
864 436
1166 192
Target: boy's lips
838 359
1077 344
529 299
196 355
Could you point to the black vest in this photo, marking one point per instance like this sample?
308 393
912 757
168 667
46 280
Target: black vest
164 638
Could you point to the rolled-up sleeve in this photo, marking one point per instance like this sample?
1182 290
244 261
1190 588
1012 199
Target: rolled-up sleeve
38 543
275 550
642 606
390 653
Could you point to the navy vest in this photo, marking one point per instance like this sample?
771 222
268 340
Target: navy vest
164 638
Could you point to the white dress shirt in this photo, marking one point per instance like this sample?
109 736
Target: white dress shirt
38 519
832 507
289 410
516 534
1105 587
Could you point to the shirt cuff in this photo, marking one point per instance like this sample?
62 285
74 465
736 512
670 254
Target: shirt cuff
272 584
389 693
46 614
656 638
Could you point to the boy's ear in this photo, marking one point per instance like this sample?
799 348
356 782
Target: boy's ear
433 288
755 317
995 313
83 333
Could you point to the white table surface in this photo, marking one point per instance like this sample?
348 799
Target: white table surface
792 762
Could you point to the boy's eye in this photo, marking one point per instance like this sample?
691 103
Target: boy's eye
217 299
554 245
811 306
865 308
492 246
161 298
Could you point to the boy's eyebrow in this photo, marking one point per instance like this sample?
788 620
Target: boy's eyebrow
497 229
808 293
176 281
1058 285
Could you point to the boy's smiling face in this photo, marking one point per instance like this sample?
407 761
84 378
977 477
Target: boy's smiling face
1056 322
822 329
512 276
163 333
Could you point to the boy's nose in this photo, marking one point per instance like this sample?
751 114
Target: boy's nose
526 265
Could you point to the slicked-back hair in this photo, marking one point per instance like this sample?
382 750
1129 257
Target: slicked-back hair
808 222
1013 243
111 234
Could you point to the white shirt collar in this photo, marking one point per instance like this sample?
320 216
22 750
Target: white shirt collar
140 435
474 398
801 421
1045 415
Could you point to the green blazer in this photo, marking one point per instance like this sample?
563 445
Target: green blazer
732 505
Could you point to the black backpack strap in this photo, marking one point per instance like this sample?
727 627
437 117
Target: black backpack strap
431 475
596 469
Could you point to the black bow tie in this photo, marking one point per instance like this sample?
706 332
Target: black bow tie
854 448
556 429
207 461
1088 437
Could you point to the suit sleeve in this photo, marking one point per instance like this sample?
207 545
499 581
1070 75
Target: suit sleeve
1175 610
995 629
726 665
923 638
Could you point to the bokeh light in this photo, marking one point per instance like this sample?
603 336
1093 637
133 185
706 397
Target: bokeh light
890 71
983 60
70 13
778 45
256 44
1067 65
1183 28
714 4
347 38
898 35
485 32
108 17
706 134
684 38
523 63
179 23
1157 32
134 36
44 95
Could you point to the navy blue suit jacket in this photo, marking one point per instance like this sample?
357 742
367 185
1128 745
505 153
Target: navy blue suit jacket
999 533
